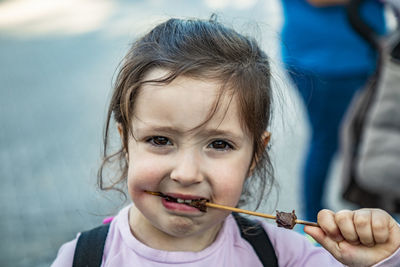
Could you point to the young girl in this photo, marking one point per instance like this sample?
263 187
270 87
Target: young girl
192 103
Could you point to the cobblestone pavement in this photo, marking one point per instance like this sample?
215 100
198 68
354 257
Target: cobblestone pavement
55 78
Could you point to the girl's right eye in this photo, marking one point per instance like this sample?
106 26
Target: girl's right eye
159 141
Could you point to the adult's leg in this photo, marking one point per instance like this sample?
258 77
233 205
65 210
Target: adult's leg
326 100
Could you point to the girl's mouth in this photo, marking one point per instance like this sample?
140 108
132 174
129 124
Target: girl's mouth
200 203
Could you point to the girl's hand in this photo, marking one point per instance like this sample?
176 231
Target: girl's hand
357 238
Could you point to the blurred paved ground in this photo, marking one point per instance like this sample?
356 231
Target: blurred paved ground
56 72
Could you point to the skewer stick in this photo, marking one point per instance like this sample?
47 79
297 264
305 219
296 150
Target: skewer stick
259 214
307 223
154 193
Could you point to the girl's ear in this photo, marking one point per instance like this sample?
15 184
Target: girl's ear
266 136
121 133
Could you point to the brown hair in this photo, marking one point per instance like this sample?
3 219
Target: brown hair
202 49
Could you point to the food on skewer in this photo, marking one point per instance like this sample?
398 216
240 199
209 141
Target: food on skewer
200 204
197 203
283 219
286 219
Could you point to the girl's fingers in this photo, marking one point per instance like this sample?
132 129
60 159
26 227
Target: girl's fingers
322 238
363 237
362 222
344 221
326 220
380 226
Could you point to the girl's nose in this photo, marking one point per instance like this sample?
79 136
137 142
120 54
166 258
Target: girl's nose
186 170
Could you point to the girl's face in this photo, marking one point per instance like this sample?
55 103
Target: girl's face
166 154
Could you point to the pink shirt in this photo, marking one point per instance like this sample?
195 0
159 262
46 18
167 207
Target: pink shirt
229 249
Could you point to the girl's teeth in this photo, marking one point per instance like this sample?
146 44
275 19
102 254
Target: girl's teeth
186 201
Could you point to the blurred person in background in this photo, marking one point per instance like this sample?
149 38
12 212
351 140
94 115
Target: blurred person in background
370 133
327 62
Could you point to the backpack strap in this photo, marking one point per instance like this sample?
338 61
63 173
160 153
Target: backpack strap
255 234
90 246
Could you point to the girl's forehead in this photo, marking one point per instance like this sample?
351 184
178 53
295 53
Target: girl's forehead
187 103
209 91
158 74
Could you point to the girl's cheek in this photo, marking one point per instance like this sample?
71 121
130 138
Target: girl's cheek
144 175
229 195
228 187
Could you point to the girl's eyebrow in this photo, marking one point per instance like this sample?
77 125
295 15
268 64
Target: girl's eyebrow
162 129
202 132
220 132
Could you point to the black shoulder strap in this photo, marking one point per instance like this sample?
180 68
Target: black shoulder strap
90 246
255 234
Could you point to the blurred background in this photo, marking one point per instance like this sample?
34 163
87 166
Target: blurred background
57 61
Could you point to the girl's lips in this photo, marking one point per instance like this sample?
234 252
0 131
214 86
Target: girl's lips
175 206
184 202
184 196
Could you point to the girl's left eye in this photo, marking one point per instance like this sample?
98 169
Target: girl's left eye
159 141
220 145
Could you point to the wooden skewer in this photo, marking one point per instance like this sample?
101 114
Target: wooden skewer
307 223
259 214
154 193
